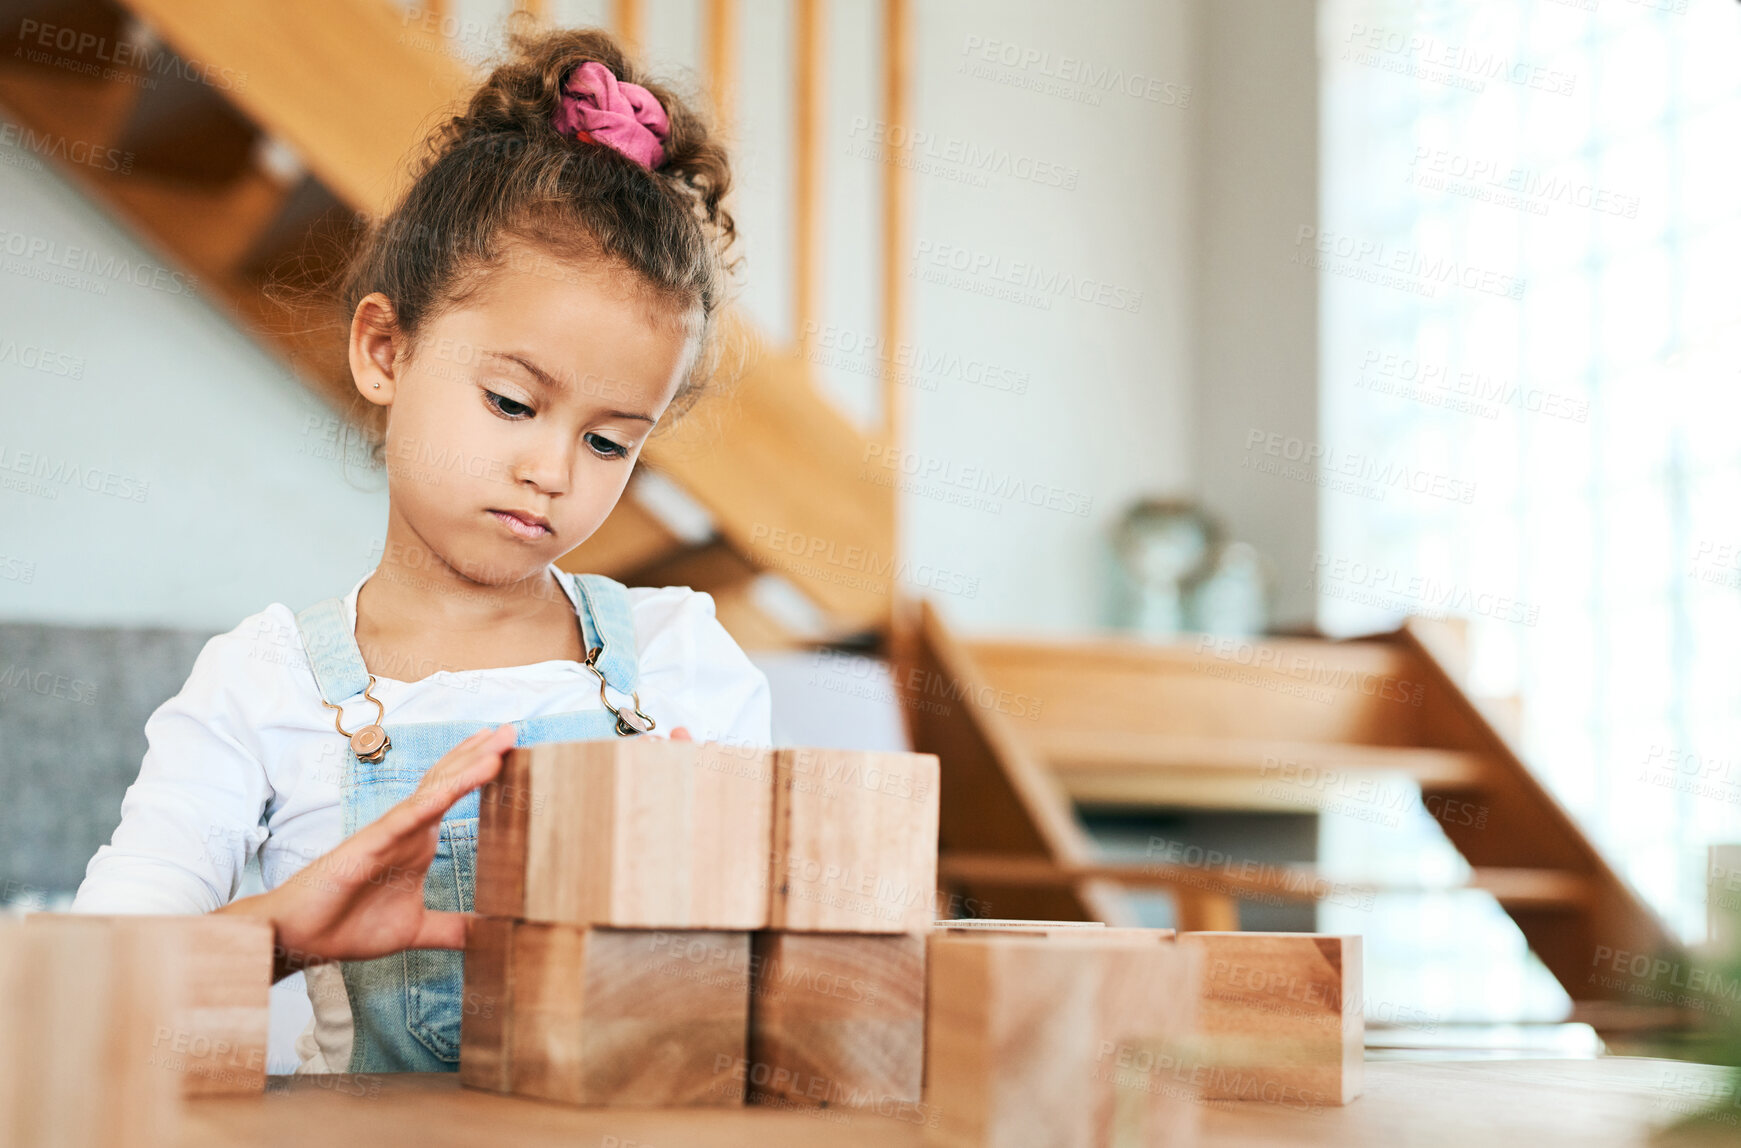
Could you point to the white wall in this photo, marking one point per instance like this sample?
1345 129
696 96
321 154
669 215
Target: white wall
238 514
1106 416
211 498
1257 313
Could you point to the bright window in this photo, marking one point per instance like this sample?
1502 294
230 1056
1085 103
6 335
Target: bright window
1529 253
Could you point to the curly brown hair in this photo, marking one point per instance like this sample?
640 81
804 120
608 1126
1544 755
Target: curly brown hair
499 170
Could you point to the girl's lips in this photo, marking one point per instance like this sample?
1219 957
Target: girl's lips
520 526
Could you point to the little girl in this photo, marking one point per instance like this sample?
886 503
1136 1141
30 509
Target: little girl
543 296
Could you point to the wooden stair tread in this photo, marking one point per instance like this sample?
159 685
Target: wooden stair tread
1115 768
1111 652
66 106
209 228
306 64
1282 689
1077 751
1534 888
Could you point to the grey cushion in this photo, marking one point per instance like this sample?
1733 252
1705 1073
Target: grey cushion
73 704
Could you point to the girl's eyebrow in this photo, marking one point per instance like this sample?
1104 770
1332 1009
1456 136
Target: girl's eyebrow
551 381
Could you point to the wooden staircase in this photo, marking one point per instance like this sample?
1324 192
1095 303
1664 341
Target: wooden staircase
1027 727
257 136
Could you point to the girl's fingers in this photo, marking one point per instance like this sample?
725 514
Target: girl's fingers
481 764
482 751
481 743
468 750
441 930
462 769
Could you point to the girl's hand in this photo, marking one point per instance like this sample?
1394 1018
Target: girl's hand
364 899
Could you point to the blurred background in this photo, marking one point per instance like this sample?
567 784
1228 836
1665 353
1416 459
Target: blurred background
1281 453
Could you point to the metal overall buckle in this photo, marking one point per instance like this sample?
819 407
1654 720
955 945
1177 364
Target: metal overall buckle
370 743
628 723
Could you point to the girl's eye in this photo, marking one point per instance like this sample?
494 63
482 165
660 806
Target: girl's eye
605 447
505 406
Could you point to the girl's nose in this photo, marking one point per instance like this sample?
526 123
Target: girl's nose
547 470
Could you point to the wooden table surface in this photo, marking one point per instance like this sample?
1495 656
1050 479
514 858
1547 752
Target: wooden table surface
1485 1103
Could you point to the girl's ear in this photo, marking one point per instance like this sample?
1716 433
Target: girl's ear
374 350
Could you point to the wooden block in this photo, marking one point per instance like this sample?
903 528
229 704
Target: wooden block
1008 1029
83 1004
605 1017
484 1056
216 1041
1282 1019
837 1020
1146 1089
220 1034
1074 930
854 841
1058 1041
629 833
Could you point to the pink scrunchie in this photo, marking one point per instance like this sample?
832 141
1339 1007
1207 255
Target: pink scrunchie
596 105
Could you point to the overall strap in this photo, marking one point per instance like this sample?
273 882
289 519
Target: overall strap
608 620
332 650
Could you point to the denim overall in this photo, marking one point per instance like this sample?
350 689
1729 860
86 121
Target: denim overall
406 1007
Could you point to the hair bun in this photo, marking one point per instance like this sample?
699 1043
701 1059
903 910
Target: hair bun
523 95
595 106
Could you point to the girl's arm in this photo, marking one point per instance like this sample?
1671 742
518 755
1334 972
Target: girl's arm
193 817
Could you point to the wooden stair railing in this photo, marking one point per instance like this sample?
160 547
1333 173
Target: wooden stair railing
1025 727
304 124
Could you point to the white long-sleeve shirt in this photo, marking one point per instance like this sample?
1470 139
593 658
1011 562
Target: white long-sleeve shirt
245 759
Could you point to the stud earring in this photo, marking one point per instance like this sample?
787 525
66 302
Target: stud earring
377 386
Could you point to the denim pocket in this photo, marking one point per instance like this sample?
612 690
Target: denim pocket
435 978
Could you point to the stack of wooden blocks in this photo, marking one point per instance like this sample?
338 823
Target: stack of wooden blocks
111 1021
677 923
682 923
